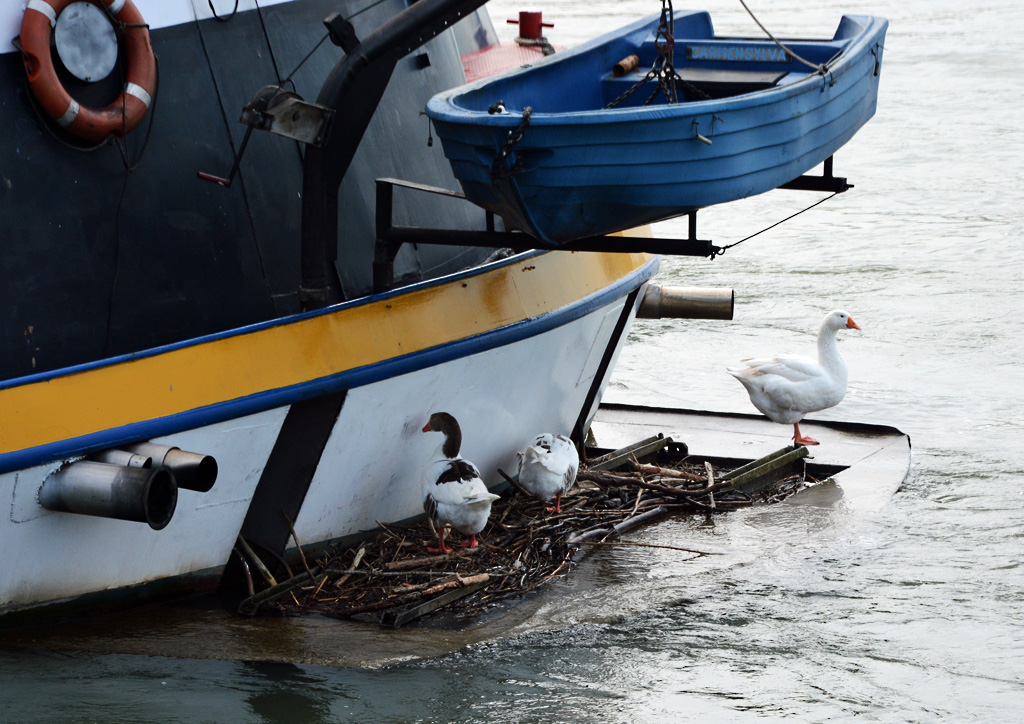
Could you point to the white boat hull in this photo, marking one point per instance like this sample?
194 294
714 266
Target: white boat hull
538 361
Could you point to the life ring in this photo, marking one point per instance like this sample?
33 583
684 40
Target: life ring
91 124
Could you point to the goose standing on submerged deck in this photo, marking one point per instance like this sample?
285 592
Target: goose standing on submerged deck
787 388
453 493
547 468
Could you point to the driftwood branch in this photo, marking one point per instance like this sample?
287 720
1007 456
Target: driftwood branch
645 469
649 545
409 563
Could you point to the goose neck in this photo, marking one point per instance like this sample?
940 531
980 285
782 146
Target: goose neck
828 348
449 427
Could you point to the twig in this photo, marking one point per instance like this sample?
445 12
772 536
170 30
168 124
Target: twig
514 483
250 605
630 523
669 472
351 569
264 571
430 560
648 545
297 544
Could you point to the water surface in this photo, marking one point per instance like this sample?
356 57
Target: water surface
911 613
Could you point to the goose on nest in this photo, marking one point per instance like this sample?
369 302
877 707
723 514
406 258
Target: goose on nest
453 493
547 468
787 388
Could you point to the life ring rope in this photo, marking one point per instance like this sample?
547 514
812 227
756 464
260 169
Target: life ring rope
91 124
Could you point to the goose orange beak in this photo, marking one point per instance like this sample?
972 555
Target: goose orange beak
851 324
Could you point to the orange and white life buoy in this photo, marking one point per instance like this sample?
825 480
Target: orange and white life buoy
91 124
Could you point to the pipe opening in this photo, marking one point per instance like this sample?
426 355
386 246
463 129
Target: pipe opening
160 498
192 471
144 495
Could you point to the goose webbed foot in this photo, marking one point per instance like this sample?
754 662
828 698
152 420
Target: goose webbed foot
442 548
802 439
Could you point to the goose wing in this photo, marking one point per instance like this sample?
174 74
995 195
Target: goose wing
457 482
792 368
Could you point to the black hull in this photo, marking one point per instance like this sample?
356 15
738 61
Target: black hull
101 260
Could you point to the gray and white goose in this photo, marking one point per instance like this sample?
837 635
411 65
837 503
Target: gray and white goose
547 468
453 493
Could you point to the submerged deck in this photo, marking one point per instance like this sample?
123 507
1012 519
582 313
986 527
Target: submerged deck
875 458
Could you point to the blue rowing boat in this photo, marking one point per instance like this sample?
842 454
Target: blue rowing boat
580 144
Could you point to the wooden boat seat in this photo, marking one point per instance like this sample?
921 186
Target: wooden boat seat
719 83
712 82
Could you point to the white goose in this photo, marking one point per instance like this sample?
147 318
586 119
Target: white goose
453 493
787 388
547 468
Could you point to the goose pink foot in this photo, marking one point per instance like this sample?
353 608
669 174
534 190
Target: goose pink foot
441 548
802 439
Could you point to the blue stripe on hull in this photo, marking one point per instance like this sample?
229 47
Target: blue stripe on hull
348 379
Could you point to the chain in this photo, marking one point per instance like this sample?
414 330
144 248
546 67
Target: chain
498 170
666 72
663 68
636 86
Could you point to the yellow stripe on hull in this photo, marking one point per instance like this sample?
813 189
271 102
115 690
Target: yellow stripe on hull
266 358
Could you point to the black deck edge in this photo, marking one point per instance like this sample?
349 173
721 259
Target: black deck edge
861 427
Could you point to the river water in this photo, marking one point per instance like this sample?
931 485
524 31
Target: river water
909 613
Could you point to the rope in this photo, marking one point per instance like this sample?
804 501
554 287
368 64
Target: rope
371 6
822 68
223 18
719 250
542 42
231 143
303 61
266 36
122 143
47 123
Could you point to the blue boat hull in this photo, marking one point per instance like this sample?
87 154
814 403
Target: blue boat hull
750 119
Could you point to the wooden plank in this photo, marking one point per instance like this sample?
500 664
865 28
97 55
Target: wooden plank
398 617
623 455
875 459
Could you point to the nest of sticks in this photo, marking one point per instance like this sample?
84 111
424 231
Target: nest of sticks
392 579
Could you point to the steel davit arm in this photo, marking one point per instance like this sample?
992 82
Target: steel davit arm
354 89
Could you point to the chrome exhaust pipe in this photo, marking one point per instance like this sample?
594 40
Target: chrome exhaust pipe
193 471
687 303
145 495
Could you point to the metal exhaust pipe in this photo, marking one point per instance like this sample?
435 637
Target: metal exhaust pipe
145 495
687 303
193 471
122 457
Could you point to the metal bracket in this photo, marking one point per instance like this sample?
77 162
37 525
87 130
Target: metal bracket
285 113
825 182
342 32
282 113
391 238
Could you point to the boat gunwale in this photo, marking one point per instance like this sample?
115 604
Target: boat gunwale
443 108
266 324
673 161
529 325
